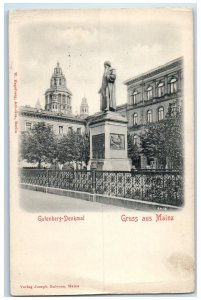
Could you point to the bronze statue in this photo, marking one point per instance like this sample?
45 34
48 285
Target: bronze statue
107 90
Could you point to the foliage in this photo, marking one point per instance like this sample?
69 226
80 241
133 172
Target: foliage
85 148
39 144
133 149
73 147
163 140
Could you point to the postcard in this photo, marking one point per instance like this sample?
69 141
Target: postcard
101 114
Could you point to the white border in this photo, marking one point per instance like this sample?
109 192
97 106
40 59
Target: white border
4 156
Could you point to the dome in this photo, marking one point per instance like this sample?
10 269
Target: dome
58 96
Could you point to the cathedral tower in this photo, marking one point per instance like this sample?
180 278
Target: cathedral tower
58 97
84 108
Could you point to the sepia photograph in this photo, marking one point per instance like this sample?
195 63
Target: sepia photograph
101 151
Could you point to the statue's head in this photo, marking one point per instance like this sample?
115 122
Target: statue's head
107 63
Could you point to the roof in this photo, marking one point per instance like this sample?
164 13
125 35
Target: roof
26 110
170 64
121 106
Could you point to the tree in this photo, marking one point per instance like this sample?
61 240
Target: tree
164 140
133 149
174 138
73 147
39 144
85 148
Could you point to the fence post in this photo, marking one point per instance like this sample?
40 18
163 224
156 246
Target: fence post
47 178
93 181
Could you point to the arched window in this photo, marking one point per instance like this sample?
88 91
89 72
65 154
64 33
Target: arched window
161 89
135 139
135 119
173 85
135 97
61 129
150 93
160 113
149 116
55 81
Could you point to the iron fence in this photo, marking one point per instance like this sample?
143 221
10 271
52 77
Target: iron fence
148 185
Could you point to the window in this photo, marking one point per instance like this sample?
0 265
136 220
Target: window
173 86
59 81
64 99
79 130
135 139
173 109
28 126
150 93
161 90
160 113
55 81
135 119
61 129
70 129
135 97
149 116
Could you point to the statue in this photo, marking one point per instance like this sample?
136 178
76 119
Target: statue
107 90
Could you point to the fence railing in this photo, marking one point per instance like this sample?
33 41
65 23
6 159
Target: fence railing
148 185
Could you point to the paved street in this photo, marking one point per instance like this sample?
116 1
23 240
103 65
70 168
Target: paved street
34 201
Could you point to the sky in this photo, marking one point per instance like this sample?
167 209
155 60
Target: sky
135 41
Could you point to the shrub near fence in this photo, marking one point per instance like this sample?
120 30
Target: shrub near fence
164 187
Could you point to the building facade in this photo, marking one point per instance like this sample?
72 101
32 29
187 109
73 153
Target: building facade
149 98
59 123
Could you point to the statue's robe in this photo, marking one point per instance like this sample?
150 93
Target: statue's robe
107 90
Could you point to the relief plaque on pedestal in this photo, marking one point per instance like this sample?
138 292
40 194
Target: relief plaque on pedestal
108 142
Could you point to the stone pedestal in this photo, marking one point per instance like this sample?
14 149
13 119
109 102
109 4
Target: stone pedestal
108 142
